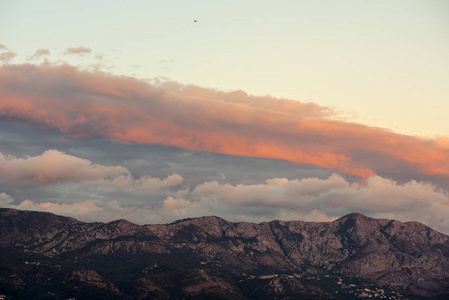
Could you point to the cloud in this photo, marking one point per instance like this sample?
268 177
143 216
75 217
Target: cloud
78 51
82 104
310 199
5 54
54 166
315 199
334 195
38 54
144 183
5 199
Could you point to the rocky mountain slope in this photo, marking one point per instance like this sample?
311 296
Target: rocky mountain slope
54 257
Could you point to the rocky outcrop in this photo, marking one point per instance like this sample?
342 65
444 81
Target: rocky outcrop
90 277
408 256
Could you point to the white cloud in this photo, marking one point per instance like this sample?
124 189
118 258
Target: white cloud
150 184
5 199
54 166
333 197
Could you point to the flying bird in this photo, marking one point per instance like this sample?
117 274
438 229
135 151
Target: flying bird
194 21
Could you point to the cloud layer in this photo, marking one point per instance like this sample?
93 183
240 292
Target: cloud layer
83 104
309 199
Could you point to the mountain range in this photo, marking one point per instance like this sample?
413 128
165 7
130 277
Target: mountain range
45 256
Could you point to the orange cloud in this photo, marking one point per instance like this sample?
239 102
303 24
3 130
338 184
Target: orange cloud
88 104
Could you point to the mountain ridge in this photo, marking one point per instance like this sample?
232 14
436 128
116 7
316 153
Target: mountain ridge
410 256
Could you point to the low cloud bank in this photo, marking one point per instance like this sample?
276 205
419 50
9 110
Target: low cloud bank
309 199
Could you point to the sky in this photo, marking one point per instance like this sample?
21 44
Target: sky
292 110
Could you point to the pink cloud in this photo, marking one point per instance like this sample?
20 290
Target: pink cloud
78 50
38 54
88 104
5 54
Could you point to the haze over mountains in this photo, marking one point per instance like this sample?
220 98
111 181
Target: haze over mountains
60 257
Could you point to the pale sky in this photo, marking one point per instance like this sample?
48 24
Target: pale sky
380 63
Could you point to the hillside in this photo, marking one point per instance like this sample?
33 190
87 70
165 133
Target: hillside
55 257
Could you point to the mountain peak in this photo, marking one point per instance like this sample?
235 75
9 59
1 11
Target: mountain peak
122 222
354 215
197 218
